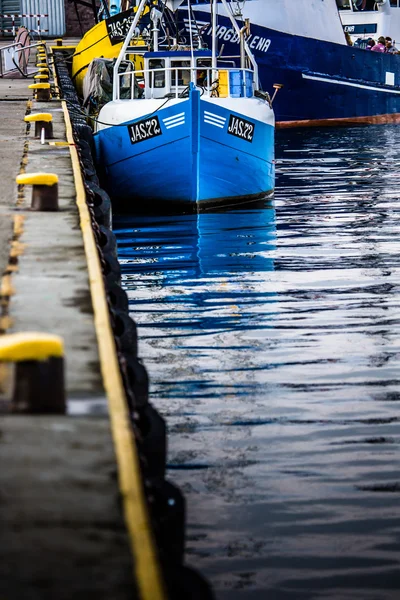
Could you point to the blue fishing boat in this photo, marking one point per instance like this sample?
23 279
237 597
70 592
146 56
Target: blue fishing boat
187 127
301 45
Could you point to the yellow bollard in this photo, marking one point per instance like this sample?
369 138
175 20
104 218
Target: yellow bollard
42 121
39 373
42 91
44 190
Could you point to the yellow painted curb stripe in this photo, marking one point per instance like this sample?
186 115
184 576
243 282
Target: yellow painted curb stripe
146 566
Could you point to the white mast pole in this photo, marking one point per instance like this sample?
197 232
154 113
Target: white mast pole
247 48
121 55
214 38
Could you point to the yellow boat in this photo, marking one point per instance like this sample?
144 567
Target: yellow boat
96 43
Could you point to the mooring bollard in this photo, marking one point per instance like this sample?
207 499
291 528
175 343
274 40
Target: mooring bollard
41 77
42 91
42 121
44 192
39 371
59 42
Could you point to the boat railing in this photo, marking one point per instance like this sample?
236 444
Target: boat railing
173 81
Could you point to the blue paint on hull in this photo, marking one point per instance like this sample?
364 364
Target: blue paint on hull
289 57
194 162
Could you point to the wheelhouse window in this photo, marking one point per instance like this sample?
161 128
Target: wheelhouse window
202 64
180 74
157 79
343 4
363 5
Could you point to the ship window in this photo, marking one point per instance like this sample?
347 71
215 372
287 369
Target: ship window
202 65
157 79
343 4
182 74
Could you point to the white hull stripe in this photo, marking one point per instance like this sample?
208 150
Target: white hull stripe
213 123
175 124
211 120
174 118
348 83
214 117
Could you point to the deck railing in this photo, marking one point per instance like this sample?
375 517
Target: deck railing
174 81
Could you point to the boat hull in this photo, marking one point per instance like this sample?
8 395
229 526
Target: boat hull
324 83
192 158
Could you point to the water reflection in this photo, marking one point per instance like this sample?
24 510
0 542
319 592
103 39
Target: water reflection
273 346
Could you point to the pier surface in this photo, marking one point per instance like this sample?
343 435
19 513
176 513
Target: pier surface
62 528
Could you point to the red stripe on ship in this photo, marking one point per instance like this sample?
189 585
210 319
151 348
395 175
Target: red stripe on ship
394 119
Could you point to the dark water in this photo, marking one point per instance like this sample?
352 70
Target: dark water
272 337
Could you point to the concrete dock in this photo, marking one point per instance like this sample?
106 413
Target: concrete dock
73 519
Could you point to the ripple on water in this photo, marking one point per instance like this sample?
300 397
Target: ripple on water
271 335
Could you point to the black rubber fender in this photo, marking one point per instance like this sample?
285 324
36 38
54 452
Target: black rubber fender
153 442
126 331
138 380
107 241
101 204
111 269
168 510
185 583
118 298
84 134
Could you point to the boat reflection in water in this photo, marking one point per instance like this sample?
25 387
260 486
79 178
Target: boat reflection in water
201 287
278 371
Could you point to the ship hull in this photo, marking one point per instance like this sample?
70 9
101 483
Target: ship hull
324 83
196 154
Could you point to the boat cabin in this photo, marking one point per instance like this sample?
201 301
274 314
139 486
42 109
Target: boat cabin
364 5
362 19
170 73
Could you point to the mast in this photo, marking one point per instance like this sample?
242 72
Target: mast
121 55
214 36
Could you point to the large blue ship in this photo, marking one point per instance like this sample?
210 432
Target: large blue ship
301 45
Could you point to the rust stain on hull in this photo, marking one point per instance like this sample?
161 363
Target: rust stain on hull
393 119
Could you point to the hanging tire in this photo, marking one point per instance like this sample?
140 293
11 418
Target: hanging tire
184 583
101 204
126 331
168 509
138 381
153 443
112 270
118 298
107 241
85 135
